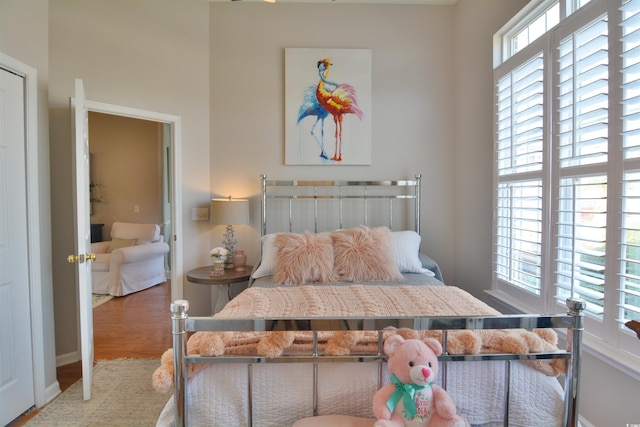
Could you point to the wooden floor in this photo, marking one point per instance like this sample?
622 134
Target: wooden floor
134 326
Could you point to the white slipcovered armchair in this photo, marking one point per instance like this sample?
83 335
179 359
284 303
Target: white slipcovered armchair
131 261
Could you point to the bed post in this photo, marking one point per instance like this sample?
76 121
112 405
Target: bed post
574 345
178 316
263 179
418 190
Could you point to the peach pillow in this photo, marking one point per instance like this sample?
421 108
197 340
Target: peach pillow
303 258
363 254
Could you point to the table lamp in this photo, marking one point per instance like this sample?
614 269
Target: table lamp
229 212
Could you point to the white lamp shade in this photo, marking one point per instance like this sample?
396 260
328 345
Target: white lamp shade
229 211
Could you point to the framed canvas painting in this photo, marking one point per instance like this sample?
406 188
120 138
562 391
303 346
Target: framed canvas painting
327 106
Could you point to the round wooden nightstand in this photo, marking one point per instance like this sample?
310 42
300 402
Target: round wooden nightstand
202 276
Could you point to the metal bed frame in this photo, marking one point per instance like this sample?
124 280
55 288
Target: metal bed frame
572 321
325 191
315 192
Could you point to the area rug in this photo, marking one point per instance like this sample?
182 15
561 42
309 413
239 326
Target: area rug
97 299
122 395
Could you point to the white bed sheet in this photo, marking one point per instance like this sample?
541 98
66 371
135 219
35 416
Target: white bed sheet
217 395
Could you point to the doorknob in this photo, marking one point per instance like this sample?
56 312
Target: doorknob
81 258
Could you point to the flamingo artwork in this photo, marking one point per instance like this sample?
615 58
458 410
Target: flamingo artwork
338 100
311 107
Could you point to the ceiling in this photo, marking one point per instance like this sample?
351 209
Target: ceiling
432 2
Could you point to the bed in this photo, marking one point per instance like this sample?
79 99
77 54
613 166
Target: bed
340 272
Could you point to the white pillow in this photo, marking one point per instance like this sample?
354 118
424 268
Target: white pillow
269 257
406 245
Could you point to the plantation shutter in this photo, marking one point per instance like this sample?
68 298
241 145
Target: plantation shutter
582 141
582 222
630 56
629 289
630 249
520 119
567 172
583 96
519 165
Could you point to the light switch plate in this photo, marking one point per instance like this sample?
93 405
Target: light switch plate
200 214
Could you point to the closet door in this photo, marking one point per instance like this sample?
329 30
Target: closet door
16 353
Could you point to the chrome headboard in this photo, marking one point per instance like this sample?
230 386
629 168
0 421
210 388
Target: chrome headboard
328 205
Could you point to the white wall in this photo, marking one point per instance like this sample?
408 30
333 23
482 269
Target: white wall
473 184
413 101
147 55
24 36
126 166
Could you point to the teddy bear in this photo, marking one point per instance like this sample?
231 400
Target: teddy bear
204 343
522 341
410 398
340 343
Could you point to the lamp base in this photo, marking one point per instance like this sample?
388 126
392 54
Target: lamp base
228 241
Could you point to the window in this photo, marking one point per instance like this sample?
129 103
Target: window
567 164
540 17
540 25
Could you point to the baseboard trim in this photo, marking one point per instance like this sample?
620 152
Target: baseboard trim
68 358
584 422
52 392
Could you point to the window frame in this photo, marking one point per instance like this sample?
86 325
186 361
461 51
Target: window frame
608 340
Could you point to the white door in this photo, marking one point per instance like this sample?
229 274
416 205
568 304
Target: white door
16 358
83 255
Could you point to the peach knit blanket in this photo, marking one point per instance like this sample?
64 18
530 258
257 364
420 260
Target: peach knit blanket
355 300
359 300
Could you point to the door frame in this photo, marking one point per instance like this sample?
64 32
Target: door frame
30 76
176 179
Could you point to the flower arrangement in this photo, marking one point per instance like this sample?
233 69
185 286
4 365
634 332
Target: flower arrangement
219 253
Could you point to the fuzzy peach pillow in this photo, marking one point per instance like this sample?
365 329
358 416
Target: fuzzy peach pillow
303 258
363 254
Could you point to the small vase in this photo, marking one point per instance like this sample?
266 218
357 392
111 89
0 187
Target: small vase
239 261
218 266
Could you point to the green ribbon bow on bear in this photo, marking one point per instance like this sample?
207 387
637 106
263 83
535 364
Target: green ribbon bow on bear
406 392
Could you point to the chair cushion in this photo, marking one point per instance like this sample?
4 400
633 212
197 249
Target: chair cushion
102 263
120 243
143 233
